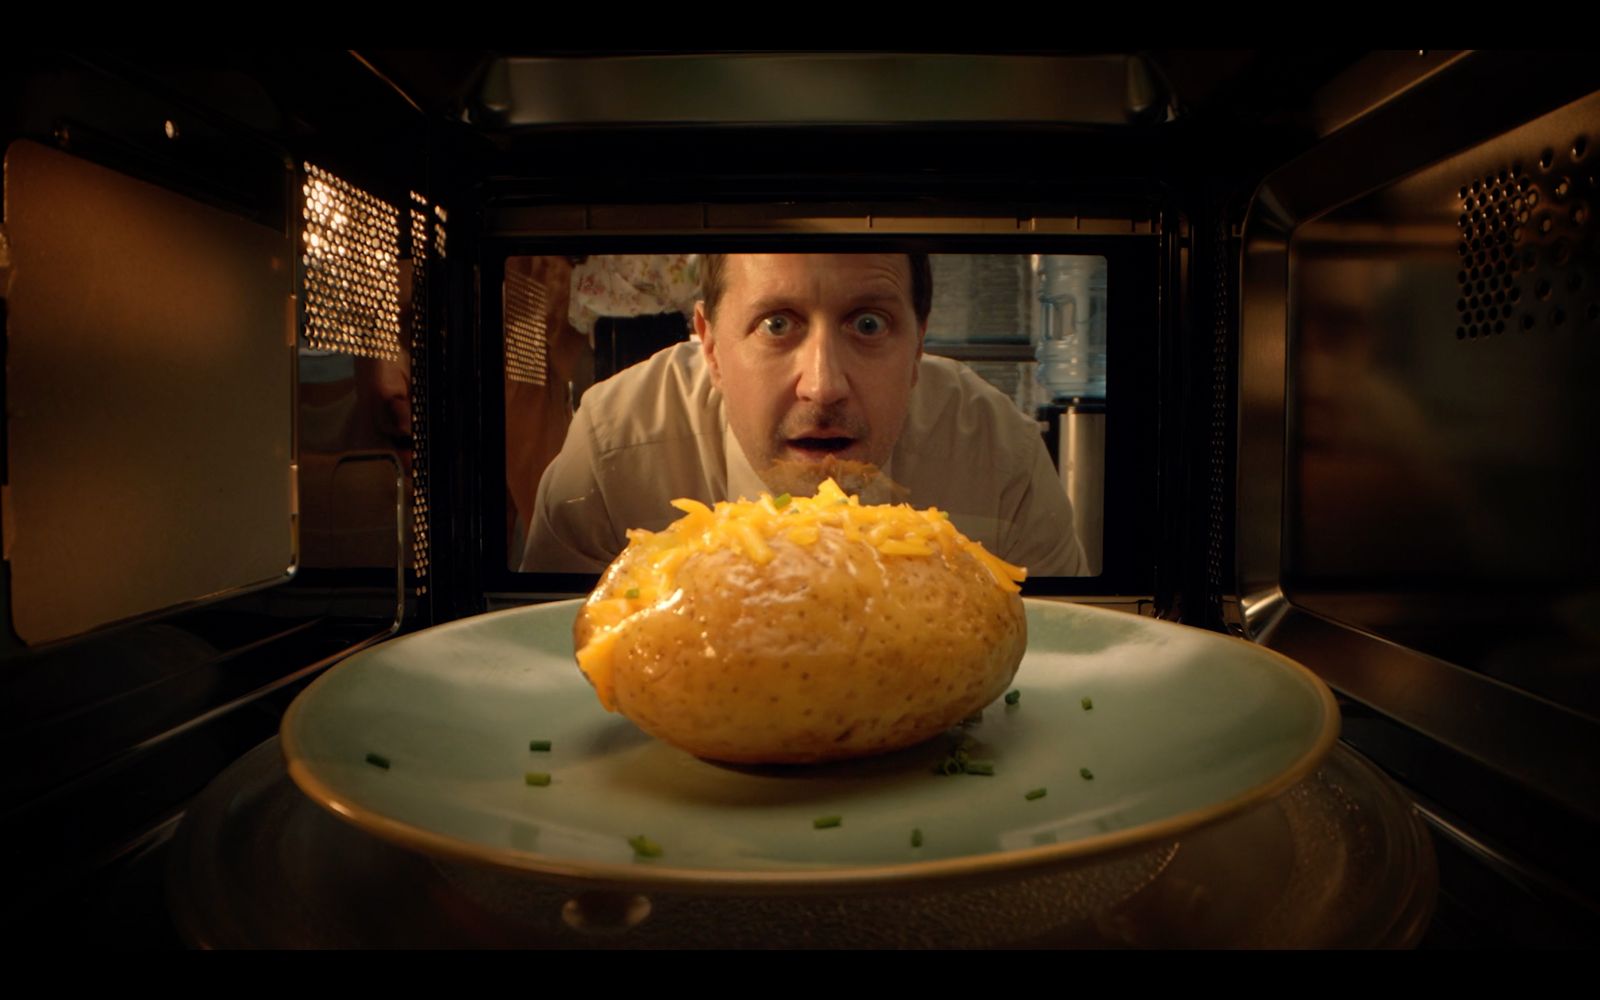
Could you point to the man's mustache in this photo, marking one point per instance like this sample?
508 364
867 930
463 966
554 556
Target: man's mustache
836 420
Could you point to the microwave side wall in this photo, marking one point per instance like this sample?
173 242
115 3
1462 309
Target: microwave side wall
1419 337
110 731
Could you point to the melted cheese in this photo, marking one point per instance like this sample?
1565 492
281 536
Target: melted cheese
749 527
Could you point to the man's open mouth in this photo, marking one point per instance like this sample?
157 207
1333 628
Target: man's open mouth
821 446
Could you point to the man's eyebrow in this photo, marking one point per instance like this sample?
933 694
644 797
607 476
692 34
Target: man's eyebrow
767 304
891 295
888 295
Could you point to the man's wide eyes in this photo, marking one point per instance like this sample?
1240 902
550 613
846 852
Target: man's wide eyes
776 326
869 324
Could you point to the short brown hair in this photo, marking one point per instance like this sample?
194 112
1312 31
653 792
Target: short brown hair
711 288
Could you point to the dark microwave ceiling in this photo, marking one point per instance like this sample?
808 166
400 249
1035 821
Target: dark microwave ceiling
516 91
831 88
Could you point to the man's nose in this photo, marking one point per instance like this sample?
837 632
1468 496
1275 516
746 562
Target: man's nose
823 379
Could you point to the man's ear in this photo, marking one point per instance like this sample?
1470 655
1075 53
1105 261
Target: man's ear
708 344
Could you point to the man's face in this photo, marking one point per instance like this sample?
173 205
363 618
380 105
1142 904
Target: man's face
815 354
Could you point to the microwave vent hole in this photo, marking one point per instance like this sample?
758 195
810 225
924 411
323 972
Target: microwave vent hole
1520 235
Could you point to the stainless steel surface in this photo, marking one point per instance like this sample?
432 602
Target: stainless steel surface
1443 359
150 399
1083 464
1397 459
1340 860
1263 353
1531 740
1375 80
866 88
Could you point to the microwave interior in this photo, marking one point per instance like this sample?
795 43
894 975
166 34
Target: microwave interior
292 336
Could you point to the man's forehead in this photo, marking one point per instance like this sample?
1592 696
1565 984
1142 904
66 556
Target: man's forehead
758 276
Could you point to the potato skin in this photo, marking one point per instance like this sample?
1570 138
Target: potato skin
829 651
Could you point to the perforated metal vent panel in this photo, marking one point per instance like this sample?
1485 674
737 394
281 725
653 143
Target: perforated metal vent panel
1218 515
527 333
1528 244
350 249
354 246
420 559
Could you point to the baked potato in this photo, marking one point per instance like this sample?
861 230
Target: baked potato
796 630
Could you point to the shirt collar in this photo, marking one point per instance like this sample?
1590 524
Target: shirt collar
743 483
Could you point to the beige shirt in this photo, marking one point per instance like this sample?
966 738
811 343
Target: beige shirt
656 432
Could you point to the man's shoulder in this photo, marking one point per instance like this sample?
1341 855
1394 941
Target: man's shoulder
667 396
955 373
952 399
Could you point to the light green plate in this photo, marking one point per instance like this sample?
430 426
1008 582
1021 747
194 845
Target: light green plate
1187 727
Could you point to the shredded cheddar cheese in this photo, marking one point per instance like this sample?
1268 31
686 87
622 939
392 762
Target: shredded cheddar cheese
750 528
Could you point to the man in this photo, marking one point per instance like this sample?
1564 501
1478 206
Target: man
801 363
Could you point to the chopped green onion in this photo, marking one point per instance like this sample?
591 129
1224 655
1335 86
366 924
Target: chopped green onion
1037 793
951 766
826 822
632 593
1012 697
841 503
644 847
1087 704
538 778
539 746
985 767
780 501
1086 774
916 838
378 760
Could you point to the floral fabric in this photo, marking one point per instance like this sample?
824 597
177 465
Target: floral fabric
626 285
